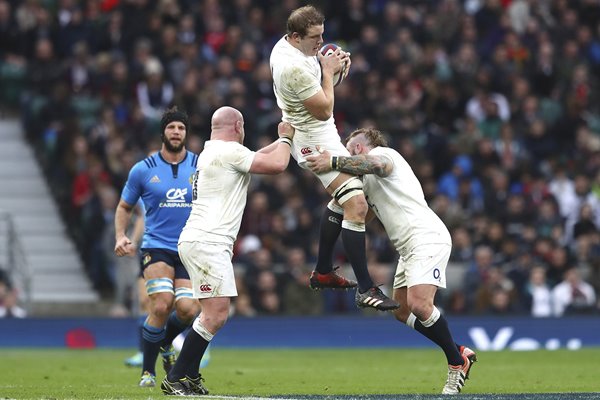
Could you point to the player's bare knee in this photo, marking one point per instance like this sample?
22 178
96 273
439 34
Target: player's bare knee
422 310
162 295
161 309
186 307
214 321
186 310
356 208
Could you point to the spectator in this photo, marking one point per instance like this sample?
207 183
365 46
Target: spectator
573 295
154 93
459 181
477 274
297 297
538 293
462 248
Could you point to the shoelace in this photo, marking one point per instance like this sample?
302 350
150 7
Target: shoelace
454 378
197 383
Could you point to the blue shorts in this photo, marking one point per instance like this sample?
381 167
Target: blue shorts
169 257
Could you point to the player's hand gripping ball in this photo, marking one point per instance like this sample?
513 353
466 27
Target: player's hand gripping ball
339 76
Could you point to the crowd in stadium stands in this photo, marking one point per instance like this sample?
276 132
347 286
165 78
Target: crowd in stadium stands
494 103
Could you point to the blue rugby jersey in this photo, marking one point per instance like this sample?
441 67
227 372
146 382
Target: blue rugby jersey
166 191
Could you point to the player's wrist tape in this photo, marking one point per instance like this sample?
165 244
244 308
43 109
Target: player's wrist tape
286 140
334 161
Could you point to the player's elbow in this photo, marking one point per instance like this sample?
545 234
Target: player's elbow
379 169
279 166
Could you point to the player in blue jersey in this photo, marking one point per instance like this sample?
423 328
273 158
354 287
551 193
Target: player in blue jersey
163 182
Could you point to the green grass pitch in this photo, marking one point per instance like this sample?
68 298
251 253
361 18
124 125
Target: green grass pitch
303 373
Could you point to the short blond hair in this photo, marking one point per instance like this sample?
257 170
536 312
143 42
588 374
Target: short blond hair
373 136
303 18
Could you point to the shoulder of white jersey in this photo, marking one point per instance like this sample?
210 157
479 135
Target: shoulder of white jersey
388 151
236 152
279 45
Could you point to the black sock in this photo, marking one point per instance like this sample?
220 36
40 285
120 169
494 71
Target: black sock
428 334
189 358
354 244
152 338
331 225
193 370
439 333
174 327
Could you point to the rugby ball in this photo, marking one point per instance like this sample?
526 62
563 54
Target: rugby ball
328 50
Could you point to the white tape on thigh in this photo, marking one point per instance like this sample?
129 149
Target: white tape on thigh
347 190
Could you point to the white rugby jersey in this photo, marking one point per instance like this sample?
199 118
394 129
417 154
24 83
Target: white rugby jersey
297 77
399 203
219 193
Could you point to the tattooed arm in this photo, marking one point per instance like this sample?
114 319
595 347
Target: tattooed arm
362 164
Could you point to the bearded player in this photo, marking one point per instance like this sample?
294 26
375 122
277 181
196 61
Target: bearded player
164 183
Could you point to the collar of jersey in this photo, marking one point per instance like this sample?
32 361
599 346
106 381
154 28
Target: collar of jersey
166 162
295 49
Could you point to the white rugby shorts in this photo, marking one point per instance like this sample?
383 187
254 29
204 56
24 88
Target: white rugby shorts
425 264
305 145
210 268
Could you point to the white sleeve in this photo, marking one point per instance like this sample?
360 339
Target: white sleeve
241 158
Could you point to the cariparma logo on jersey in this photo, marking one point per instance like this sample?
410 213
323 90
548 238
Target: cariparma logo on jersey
175 198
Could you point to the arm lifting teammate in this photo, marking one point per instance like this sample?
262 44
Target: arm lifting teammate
220 190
